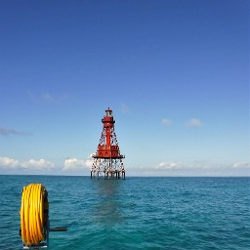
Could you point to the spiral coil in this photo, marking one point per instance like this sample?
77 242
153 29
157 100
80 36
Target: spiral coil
34 214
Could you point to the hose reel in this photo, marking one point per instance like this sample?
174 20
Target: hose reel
34 217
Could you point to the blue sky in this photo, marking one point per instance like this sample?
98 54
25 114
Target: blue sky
175 73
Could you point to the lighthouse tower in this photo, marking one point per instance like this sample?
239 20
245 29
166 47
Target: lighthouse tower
107 159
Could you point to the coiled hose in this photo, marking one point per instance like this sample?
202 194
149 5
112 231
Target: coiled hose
34 214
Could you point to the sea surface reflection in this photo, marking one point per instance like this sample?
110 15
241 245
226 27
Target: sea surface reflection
107 209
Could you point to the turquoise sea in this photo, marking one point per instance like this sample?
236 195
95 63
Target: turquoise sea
136 213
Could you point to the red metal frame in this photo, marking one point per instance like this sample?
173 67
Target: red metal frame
107 159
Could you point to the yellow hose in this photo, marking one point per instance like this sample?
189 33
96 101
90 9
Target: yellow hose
34 214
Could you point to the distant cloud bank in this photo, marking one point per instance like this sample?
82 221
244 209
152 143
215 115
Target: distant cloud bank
191 166
193 169
41 164
74 166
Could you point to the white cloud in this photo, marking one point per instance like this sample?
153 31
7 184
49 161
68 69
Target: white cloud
166 122
89 162
75 164
71 163
8 162
41 164
241 165
194 123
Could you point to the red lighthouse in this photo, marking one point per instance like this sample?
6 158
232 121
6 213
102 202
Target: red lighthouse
107 159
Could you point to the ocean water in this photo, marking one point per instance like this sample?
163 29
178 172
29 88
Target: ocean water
136 213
